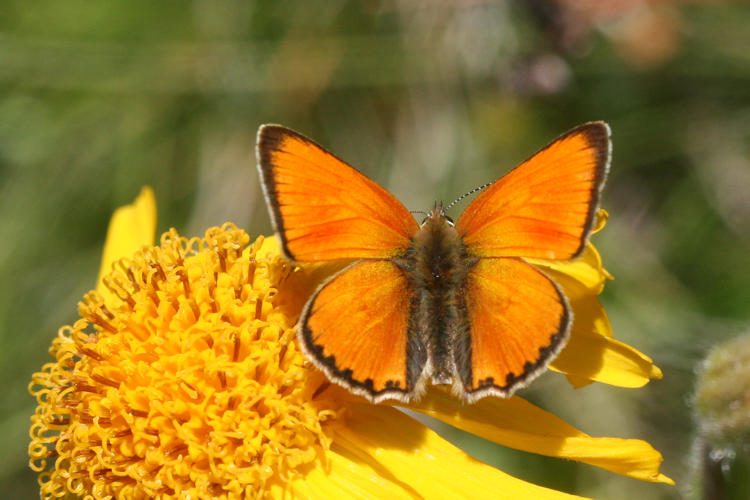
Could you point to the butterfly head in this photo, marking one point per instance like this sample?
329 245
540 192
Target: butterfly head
437 213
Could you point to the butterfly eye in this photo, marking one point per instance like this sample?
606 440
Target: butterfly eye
449 220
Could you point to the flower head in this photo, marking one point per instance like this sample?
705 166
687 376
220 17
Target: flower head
183 379
189 382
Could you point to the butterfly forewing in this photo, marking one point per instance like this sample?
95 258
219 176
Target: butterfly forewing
323 209
519 321
355 328
545 207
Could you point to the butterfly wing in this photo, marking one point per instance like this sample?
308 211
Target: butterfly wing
356 329
545 207
322 208
519 321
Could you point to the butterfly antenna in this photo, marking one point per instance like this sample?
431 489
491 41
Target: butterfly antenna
476 189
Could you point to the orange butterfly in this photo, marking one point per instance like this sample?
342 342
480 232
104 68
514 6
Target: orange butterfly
437 301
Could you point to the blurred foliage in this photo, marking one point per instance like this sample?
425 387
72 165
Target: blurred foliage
430 99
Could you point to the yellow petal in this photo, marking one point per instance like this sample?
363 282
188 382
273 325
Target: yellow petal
518 424
593 357
130 227
342 478
586 269
588 313
400 448
601 220
591 353
269 248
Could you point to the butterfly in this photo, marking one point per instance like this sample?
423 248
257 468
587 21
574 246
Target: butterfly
434 302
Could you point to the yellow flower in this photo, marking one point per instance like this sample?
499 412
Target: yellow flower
183 379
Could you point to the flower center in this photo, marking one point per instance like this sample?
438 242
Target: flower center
184 380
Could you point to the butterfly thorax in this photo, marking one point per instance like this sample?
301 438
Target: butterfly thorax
439 253
437 264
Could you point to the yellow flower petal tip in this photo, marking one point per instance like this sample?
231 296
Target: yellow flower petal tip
661 478
131 227
590 356
602 216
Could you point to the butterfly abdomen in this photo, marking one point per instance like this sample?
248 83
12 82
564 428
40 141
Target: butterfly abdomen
437 271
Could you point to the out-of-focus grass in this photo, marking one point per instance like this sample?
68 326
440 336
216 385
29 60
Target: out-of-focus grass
430 99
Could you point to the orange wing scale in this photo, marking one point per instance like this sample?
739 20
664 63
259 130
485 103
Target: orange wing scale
519 321
545 207
324 209
355 328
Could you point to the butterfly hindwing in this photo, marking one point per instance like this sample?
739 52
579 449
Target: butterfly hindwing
356 329
545 207
323 209
519 321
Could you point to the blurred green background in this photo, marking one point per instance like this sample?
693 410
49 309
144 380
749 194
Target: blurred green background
429 98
